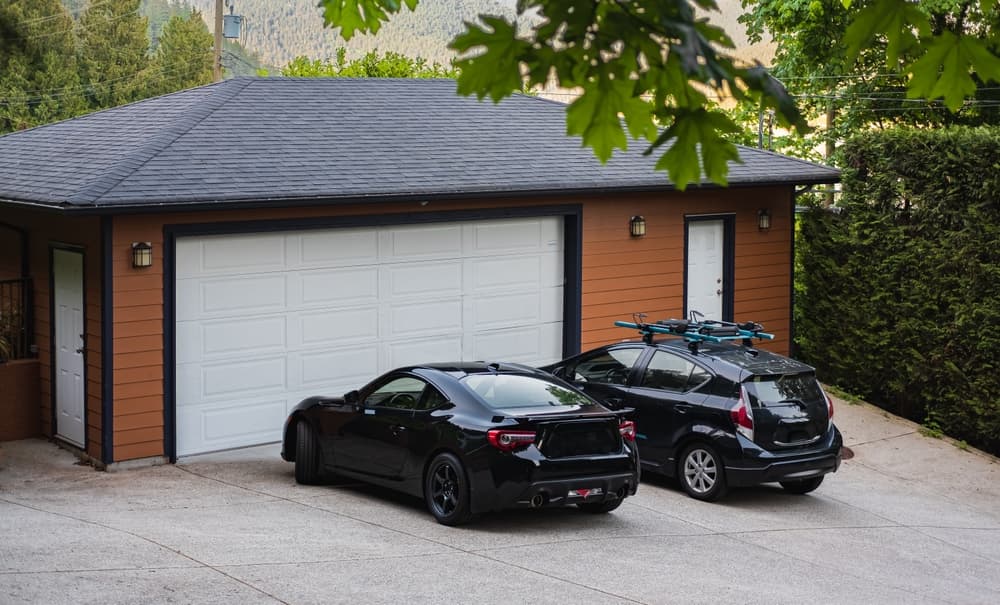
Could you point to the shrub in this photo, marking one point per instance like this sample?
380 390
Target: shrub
899 294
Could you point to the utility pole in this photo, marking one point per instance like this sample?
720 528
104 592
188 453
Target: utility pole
217 65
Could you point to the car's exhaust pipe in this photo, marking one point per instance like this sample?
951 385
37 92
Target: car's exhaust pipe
538 500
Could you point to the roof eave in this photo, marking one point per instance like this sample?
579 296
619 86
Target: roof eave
384 198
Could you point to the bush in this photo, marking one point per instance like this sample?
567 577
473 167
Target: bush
898 297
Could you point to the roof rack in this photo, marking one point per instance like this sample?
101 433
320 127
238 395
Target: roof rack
697 330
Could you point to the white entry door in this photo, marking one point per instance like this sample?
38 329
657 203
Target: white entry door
266 319
67 279
705 268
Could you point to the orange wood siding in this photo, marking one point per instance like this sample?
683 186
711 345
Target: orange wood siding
624 275
45 229
621 275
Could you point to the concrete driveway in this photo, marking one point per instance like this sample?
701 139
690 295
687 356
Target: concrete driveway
908 520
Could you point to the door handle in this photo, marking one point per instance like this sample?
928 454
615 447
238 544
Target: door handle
397 429
683 408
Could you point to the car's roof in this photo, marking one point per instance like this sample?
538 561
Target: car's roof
752 360
458 369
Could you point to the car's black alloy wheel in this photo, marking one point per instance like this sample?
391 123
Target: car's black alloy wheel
701 474
802 486
446 490
307 469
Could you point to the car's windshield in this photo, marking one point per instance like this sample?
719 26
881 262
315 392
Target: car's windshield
502 391
790 387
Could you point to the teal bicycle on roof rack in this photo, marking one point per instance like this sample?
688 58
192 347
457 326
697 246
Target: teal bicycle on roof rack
697 330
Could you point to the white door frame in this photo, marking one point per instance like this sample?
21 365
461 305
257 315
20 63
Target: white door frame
69 367
728 222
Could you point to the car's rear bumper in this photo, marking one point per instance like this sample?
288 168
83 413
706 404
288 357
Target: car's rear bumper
767 467
527 479
559 492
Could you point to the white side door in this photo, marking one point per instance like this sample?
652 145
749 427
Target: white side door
67 279
705 270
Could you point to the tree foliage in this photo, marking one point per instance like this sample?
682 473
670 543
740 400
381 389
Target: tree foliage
643 66
847 60
371 65
114 52
184 56
55 66
899 294
39 79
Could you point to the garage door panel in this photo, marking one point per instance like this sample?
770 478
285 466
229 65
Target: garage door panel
342 248
411 352
226 297
230 255
238 377
346 305
417 319
339 287
424 242
225 337
511 237
352 366
422 279
231 424
532 346
335 328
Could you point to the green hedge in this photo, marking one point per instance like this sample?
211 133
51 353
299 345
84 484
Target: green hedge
898 294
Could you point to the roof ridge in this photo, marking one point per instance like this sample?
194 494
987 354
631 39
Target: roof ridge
94 190
789 157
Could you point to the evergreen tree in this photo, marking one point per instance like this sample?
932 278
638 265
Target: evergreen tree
184 56
38 69
114 53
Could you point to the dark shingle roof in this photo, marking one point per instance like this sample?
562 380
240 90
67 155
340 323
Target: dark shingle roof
280 140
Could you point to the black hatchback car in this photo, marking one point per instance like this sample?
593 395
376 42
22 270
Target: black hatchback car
469 437
715 415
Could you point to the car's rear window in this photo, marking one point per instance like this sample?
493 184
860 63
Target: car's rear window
504 391
786 387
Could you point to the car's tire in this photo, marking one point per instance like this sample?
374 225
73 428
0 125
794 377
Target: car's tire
307 457
600 508
701 474
446 490
802 486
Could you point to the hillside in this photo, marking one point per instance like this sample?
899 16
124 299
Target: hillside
279 31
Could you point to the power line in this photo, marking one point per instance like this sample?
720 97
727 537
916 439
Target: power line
61 15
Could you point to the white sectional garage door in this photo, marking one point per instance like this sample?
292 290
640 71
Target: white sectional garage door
266 319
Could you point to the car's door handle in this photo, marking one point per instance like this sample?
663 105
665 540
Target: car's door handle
683 408
397 429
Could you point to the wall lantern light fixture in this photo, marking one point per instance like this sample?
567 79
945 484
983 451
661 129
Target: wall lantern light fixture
142 255
637 226
763 219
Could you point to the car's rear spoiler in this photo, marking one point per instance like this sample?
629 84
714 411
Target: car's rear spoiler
622 413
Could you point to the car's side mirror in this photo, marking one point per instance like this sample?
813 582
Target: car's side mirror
351 397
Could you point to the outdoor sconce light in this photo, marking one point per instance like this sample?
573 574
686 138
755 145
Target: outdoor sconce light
142 255
637 226
763 219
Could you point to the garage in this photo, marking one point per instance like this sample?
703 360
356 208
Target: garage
266 319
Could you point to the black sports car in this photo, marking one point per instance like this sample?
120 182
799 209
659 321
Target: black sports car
715 415
469 438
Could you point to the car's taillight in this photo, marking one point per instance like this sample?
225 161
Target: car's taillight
829 405
627 429
508 441
742 416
